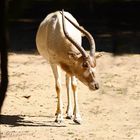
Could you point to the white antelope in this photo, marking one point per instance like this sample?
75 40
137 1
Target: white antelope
58 40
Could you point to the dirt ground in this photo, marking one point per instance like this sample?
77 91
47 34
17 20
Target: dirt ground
111 113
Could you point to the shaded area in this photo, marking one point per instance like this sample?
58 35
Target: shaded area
19 120
126 41
115 25
4 43
12 120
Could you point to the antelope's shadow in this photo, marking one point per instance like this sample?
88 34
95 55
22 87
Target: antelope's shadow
30 121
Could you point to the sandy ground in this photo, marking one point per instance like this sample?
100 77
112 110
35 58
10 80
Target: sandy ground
111 113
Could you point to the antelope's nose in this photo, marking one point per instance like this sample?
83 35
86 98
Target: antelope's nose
96 86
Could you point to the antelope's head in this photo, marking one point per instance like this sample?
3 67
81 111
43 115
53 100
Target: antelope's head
85 64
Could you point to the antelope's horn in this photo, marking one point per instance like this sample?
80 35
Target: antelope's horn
79 47
85 32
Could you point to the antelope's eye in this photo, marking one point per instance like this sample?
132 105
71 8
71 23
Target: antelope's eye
85 65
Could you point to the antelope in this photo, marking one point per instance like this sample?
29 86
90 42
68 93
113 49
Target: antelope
59 39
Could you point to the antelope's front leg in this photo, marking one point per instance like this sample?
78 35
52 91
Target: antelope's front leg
69 106
76 113
57 75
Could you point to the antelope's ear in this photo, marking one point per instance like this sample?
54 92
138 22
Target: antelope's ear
74 55
98 55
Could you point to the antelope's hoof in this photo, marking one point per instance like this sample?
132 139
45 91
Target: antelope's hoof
77 121
58 121
59 118
69 117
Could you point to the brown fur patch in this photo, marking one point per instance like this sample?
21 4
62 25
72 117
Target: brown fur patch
74 87
57 89
65 67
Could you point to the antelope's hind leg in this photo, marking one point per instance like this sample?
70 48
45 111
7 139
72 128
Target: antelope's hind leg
57 75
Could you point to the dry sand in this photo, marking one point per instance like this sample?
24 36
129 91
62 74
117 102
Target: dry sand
111 113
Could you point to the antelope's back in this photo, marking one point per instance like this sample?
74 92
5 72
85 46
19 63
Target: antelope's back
50 39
